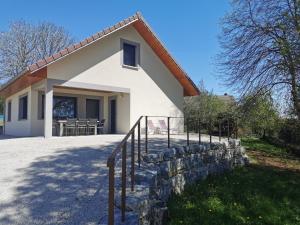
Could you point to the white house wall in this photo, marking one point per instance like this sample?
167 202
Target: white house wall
18 127
153 89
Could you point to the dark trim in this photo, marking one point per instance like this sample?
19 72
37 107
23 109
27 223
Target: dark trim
137 54
109 113
20 117
9 103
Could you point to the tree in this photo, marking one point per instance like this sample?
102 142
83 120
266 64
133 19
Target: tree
24 44
261 116
261 48
206 107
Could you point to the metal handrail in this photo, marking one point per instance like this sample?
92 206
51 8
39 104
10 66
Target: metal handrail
111 164
122 147
125 139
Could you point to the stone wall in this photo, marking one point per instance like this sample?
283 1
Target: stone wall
169 171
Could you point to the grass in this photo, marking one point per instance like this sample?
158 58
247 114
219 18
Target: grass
265 192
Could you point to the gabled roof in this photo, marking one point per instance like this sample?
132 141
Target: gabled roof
139 23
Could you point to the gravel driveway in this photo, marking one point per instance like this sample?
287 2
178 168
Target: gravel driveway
61 180
54 181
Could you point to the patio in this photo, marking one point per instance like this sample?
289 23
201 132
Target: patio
61 180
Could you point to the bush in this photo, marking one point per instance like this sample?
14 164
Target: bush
290 131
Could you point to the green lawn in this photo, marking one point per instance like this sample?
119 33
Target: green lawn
266 192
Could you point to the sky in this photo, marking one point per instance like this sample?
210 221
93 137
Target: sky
189 29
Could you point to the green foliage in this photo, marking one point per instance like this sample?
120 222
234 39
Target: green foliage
260 116
256 144
207 106
290 131
254 195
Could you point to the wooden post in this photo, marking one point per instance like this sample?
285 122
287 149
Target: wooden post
168 132
111 195
199 131
220 131
132 161
187 133
146 134
123 197
139 143
210 131
228 128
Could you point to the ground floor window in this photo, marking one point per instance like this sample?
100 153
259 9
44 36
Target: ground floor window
64 107
9 111
23 107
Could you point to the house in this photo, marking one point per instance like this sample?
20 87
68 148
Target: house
118 74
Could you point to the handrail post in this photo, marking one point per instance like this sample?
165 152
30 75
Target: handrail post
210 131
199 131
139 143
123 199
187 132
236 128
219 130
228 128
146 134
168 132
132 161
111 195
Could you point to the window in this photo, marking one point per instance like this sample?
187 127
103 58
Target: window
130 53
23 107
9 111
64 107
41 106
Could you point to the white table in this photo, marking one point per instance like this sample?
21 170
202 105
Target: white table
63 122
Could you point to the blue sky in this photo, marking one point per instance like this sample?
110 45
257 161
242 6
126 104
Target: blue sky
188 29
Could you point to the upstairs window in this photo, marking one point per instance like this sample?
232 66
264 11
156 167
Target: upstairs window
9 111
130 53
23 107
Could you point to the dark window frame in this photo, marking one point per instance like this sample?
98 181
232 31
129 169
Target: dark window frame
41 105
9 111
136 46
65 97
23 108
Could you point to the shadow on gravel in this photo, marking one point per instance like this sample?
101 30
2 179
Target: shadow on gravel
70 187
63 189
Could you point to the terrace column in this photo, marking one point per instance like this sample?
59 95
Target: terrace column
48 109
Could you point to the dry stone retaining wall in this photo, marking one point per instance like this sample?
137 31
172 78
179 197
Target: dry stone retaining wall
168 171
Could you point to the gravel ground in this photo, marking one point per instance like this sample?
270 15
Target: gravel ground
54 181
61 180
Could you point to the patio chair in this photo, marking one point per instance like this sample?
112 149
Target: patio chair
70 126
82 126
151 128
164 128
101 126
55 128
92 125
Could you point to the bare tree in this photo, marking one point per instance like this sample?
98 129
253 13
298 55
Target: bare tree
261 48
51 39
24 44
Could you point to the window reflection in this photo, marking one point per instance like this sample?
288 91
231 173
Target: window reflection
64 107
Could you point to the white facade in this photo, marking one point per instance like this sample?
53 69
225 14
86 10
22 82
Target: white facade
96 71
